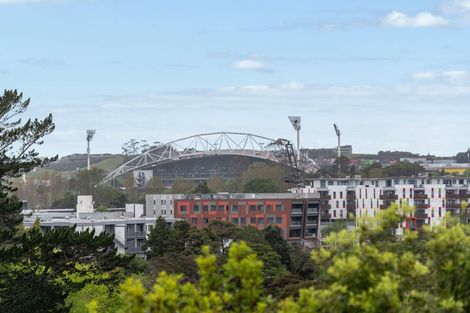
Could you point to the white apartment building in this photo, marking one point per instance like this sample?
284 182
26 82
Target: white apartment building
129 225
157 205
347 198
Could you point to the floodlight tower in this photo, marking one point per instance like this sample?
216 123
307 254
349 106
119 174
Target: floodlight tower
338 133
89 136
295 121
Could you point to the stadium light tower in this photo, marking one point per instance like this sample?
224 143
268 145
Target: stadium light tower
89 136
295 121
338 133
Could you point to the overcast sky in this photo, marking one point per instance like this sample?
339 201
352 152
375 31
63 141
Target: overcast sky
394 75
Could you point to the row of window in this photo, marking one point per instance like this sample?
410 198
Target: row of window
232 208
243 220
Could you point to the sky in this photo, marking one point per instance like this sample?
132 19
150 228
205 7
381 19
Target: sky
394 75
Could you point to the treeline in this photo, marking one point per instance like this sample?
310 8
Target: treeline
343 167
369 269
52 190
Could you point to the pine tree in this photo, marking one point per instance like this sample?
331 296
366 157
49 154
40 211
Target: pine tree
156 243
17 156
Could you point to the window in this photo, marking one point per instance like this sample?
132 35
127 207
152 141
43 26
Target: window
140 228
130 243
261 220
278 220
234 208
260 207
337 204
196 208
235 220
194 220
270 220
130 228
252 220
242 220
279 207
270 207
205 208
220 208
183 208
213 207
205 220
252 207
334 213
334 194
340 194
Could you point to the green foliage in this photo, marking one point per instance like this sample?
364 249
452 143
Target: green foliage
333 227
399 169
43 268
180 185
202 188
93 297
262 170
261 185
156 243
17 137
236 288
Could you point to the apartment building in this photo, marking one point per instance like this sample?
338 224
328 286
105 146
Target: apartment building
128 225
160 205
296 214
348 198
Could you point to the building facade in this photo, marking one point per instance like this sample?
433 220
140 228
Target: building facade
297 215
349 198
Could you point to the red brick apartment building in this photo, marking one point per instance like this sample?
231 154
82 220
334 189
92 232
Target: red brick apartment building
296 214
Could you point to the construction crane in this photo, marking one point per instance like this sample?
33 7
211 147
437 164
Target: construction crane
291 158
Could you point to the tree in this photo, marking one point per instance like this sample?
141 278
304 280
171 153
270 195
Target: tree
263 170
17 156
181 186
334 227
202 188
44 268
273 235
221 233
238 288
217 183
155 186
261 185
156 243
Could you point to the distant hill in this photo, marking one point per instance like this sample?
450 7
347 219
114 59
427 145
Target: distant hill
71 162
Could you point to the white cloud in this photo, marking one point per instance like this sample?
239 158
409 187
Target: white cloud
453 77
420 20
423 76
456 6
251 64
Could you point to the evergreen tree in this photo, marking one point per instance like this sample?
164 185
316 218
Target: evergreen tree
17 156
156 243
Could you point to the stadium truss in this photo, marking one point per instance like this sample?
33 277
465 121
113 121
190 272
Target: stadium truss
213 144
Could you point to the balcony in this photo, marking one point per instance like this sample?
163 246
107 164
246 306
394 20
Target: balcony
351 197
420 214
452 196
325 196
296 212
325 206
421 206
312 211
295 223
421 196
390 197
351 206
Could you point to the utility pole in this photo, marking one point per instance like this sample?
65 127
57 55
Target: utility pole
89 136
